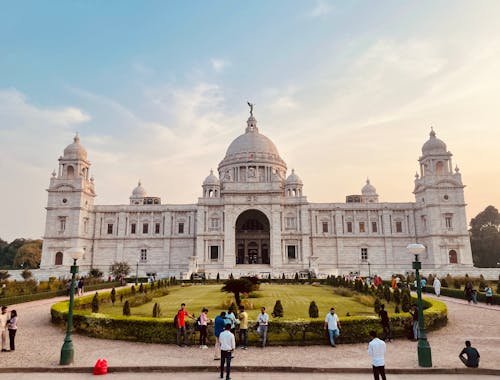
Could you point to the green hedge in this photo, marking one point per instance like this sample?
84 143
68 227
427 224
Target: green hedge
57 293
304 332
460 293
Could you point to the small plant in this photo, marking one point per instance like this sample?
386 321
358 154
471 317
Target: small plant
126 309
113 296
457 284
95 303
156 310
278 310
313 310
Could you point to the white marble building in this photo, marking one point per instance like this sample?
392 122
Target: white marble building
253 219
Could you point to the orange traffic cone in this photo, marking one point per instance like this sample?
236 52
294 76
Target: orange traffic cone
101 367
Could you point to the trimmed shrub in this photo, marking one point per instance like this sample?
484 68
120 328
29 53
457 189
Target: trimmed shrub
405 300
218 277
141 288
396 309
126 309
313 310
377 305
132 290
278 310
387 293
95 303
112 296
156 310
397 296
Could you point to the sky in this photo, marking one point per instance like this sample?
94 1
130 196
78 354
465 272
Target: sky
157 90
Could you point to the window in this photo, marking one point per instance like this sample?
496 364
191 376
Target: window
291 252
62 223
291 223
181 228
144 255
59 258
214 252
448 221
214 223
364 254
349 226
133 227
424 222
110 228
361 226
453 256
374 227
157 228
145 228
85 225
399 227
325 227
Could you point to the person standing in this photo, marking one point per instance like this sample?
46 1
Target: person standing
181 324
219 325
473 356
437 286
489 295
12 326
468 291
414 314
263 324
232 318
384 320
3 327
243 333
376 350
203 328
332 323
227 346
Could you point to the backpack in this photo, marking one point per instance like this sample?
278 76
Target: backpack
197 324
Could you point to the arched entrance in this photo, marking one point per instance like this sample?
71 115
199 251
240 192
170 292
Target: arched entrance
252 238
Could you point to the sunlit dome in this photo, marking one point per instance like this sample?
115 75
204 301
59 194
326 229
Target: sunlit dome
139 191
75 151
433 145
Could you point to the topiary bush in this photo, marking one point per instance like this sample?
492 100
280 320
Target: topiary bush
95 303
126 309
112 296
313 310
278 310
376 305
156 310
405 300
387 293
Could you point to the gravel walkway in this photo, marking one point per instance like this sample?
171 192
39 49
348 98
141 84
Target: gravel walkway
38 344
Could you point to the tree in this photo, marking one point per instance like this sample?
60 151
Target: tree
28 255
119 269
8 252
241 285
26 274
485 238
95 273
4 275
95 303
278 310
313 310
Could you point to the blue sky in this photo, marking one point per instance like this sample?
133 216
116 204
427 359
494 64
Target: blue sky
158 90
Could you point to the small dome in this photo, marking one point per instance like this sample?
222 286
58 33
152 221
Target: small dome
211 180
293 179
75 151
368 189
433 145
139 191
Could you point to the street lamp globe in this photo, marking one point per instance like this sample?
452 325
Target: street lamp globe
415 248
75 253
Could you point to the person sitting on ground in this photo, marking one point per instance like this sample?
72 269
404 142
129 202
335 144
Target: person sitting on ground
472 359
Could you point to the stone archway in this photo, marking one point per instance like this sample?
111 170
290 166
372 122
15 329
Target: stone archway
252 233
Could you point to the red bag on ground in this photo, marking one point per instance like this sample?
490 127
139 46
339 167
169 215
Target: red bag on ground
101 367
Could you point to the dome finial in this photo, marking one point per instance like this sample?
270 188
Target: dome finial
76 139
432 133
251 105
251 122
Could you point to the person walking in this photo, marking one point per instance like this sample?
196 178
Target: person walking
263 324
489 295
414 314
227 346
219 326
181 325
243 332
468 291
384 320
204 320
12 327
437 286
332 324
472 354
80 286
3 327
376 350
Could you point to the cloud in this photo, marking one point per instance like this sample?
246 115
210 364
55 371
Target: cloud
219 64
320 9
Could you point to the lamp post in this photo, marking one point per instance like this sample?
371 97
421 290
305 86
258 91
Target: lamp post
424 349
67 351
136 273
369 271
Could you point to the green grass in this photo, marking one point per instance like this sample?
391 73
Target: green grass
294 298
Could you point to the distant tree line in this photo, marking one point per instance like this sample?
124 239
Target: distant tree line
20 254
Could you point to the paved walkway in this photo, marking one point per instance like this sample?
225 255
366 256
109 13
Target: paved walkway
38 344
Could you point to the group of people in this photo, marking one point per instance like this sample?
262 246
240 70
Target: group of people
79 286
8 327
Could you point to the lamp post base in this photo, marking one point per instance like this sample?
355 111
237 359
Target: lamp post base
424 353
67 353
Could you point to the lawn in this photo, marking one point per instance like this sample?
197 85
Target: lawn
294 298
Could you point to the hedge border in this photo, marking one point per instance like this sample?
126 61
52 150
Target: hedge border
460 294
302 332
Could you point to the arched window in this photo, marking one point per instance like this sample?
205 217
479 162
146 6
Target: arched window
440 168
70 171
59 258
453 256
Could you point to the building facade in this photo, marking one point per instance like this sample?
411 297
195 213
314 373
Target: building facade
254 219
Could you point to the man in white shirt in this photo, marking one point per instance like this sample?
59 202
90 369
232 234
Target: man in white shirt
332 323
263 322
3 328
227 346
376 350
